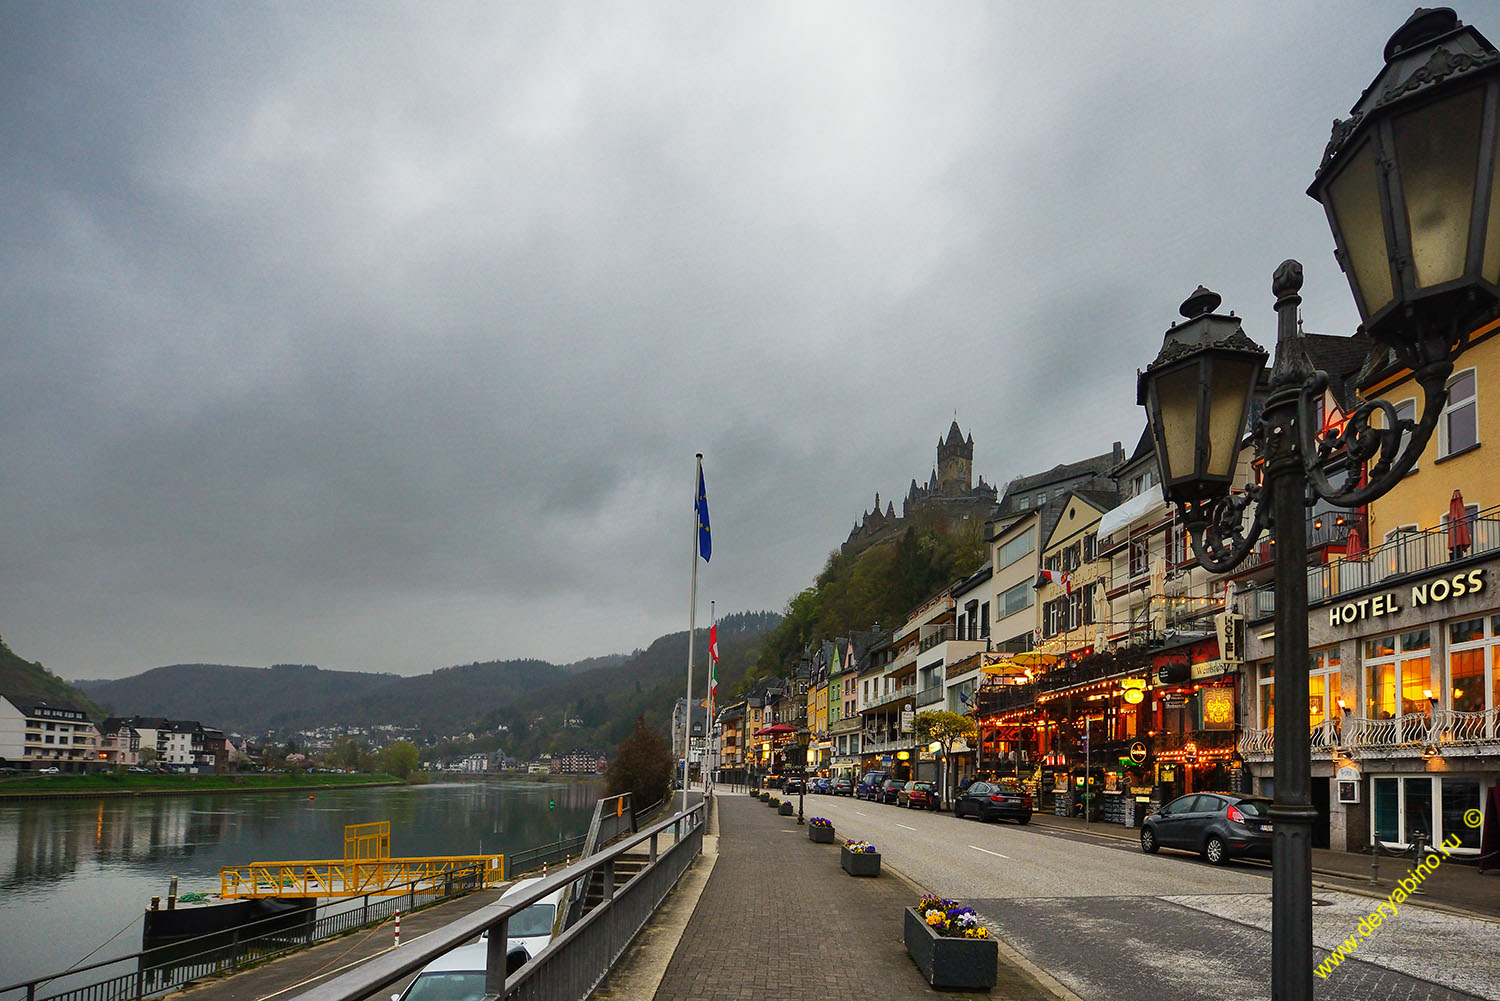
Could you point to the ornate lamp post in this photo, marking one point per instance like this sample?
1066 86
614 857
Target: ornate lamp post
1408 184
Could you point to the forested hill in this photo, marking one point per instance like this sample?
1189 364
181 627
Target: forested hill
880 586
533 699
25 683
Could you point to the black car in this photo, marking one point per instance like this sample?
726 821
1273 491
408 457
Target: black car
991 800
841 787
869 786
791 784
1217 825
889 791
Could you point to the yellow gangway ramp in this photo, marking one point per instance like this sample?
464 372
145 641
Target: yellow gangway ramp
366 868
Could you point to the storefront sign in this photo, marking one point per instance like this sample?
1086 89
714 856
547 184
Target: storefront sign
1209 669
1427 593
907 716
1138 751
1218 708
1229 626
1174 700
1133 690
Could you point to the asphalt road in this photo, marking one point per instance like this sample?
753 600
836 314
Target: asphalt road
1109 922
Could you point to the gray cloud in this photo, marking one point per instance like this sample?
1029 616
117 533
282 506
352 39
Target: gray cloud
382 336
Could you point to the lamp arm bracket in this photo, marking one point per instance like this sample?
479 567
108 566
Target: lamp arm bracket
1220 539
1347 449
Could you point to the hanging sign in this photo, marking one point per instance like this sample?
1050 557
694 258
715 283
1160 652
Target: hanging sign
1218 708
907 716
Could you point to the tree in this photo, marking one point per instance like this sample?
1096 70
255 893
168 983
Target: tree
400 758
642 766
946 728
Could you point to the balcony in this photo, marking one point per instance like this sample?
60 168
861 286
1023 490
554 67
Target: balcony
894 695
879 745
940 635
928 696
1409 554
1410 735
1328 528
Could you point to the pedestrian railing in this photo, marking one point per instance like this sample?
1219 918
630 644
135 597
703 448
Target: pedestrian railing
576 961
169 967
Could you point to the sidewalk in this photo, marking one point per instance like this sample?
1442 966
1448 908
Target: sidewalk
1453 884
779 918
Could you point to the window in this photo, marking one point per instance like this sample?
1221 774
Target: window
1041 498
1323 688
1458 427
1090 547
1139 558
1053 562
1023 502
1434 805
1088 603
1473 683
1008 552
984 620
1051 618
1016 599
1399 666
1075 608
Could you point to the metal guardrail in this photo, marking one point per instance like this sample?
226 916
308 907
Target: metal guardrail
169 967
328 878
533 859
579 958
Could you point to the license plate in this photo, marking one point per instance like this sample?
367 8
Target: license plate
1265 827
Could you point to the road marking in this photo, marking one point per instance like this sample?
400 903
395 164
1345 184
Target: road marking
861 813
988 852
905 828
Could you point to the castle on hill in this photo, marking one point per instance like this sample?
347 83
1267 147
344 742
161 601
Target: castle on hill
950 496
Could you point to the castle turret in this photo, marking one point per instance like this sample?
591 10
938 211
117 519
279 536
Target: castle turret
955 468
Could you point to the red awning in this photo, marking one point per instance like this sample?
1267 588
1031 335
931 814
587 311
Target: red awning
774 730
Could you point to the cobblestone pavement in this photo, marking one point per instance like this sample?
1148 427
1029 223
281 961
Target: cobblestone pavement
779 919
1109 922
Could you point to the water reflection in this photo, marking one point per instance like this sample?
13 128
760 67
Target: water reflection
94 864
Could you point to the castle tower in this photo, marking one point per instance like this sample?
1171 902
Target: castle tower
955 468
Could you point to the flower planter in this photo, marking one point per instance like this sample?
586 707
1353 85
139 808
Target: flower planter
966 963
765 797
860 863
786 810
820 835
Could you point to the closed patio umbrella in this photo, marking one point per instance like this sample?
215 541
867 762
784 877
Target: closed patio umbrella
1354 546
1460 537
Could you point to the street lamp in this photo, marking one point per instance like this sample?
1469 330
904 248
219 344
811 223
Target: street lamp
1407 182
804 738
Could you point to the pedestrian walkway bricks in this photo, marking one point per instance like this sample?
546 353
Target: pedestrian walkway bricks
778 918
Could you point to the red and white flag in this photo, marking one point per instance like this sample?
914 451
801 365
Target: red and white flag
713 657
1059 577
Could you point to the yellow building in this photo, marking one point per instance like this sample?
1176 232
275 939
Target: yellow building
1066 604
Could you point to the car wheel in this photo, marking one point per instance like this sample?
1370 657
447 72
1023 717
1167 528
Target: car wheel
1215 850
1024 819
1148 841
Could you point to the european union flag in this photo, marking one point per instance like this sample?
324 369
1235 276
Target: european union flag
705 541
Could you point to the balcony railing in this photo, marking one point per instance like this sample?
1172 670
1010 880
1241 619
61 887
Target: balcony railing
932 639
1444 731
928 696
895 695
1409 553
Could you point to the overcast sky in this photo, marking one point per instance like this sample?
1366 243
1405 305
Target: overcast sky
382 336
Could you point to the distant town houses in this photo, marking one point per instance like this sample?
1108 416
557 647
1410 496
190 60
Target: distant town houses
36 735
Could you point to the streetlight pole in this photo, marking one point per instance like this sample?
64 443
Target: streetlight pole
1407 182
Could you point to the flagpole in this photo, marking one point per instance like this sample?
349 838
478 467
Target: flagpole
708 699
687 716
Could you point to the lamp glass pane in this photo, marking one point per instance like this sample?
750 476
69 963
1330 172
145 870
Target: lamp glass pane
1233 379
1177 396
1491 267
1437 151
1354 197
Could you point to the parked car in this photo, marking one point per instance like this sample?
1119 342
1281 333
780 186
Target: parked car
991 801
869 786
456 975
791 784
918 793
840 787
50 770
818 785
528 931
889 790
1217 825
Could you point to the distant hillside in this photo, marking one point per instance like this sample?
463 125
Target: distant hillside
24 681
604 693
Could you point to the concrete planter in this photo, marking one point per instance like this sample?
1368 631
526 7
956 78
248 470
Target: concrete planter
765 797
820 835
774 802
786 810
860 863
965 963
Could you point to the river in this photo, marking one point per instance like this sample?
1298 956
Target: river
76 875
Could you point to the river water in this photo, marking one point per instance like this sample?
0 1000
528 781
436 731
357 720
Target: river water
76 875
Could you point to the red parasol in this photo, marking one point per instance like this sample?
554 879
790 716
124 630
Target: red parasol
1354 546
1459 535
